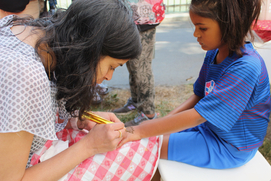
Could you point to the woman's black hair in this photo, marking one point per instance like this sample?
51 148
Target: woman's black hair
79 37
235 18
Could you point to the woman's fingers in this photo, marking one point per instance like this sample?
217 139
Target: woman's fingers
89 125
121 133
109 116
114 118
105 137
120 136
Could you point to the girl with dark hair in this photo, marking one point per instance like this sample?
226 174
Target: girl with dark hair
224 123
50 67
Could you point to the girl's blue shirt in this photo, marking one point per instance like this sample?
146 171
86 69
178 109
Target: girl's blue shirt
235 97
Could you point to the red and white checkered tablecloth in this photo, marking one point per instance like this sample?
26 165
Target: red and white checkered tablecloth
134 161
263 29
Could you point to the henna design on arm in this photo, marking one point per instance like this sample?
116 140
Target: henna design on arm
130 130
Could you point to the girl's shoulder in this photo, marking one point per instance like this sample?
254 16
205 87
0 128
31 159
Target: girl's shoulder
250 62
210 56
250 56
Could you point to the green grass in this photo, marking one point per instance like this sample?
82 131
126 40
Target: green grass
265 150
167 98
110 101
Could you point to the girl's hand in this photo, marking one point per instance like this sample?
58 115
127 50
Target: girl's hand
131 134
104 137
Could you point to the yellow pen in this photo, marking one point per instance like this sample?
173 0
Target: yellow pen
96 118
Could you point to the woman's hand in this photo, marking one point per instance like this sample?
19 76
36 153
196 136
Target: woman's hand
109 116
104 137
89 124
86 124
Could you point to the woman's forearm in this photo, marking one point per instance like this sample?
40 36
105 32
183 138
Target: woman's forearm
57 166
15 147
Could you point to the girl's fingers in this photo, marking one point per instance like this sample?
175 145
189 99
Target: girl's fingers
117 126
122 142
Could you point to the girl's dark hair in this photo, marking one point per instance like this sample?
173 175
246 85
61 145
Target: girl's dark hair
235 18
79 37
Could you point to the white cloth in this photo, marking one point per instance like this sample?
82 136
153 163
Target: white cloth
27 97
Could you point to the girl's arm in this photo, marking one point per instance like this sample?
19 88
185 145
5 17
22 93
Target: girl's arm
169 124
183 117
15 147
188 104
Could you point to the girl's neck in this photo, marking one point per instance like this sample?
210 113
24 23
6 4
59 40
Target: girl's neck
223 52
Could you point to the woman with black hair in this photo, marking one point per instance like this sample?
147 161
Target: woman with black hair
50 67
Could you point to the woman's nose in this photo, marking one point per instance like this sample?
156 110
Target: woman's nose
109 75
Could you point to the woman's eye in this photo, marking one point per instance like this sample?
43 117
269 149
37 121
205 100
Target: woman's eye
112 68
203 29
